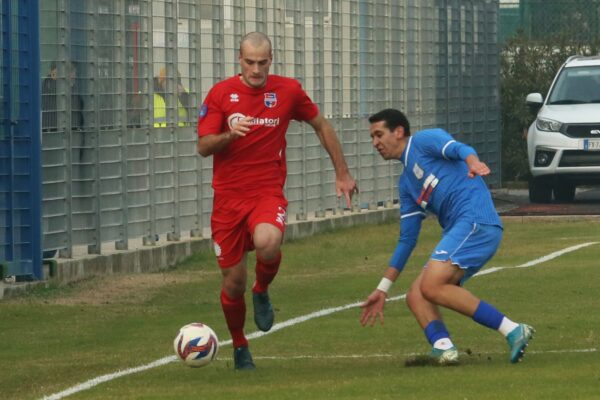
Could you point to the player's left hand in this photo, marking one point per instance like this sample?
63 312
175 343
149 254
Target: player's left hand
476 167
346 186
373 308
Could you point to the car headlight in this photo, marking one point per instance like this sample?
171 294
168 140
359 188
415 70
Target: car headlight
547 125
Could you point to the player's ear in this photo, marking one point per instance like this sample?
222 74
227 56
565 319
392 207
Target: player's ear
399 132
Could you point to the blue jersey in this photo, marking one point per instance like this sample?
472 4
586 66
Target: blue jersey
435 180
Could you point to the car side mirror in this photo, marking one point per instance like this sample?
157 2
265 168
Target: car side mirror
534 101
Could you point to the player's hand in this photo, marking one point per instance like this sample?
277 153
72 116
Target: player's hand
346 186
476 167
241 127
373 308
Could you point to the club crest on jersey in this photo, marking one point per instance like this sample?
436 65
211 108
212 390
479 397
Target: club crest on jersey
270 100
203 110
417 171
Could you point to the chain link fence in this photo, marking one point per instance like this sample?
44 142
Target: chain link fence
120 163
578 20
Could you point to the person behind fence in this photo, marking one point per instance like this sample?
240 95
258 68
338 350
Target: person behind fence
160 100
50 113
50 101
441 176
242 123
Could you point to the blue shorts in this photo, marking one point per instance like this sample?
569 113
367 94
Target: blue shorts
469 246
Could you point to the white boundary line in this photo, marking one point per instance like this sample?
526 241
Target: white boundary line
355 356
290 322
363 356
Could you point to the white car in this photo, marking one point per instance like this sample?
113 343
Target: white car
563 143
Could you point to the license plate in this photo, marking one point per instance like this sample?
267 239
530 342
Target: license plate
591 144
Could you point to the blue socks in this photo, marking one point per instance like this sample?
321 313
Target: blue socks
436 330
487 315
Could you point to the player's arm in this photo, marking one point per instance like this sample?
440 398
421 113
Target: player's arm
374 304
460 151
214 143
454 150
410 226
344 183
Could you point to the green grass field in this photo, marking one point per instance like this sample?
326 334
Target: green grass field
53 339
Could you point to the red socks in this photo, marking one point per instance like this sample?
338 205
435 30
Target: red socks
235 315
235 309
265 272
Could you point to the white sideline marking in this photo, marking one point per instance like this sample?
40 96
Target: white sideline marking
290 322
354 356
538 260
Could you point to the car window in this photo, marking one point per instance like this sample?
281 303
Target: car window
576 85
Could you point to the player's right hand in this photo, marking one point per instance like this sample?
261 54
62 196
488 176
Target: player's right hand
373 308
241 127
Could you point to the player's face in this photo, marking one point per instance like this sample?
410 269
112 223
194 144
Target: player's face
387 143
255 63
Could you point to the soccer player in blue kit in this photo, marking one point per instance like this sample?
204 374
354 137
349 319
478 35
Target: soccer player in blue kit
441 176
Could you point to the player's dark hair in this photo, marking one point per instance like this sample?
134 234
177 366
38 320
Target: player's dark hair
393 118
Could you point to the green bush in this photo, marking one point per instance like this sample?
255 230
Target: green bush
528 66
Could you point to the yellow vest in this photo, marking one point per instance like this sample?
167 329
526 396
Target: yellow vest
160 112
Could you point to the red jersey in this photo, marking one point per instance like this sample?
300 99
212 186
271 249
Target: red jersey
254 163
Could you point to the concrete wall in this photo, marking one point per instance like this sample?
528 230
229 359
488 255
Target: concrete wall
164 256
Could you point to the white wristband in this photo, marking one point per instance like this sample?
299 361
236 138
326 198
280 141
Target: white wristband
384 285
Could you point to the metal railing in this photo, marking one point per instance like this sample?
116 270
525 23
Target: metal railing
112 173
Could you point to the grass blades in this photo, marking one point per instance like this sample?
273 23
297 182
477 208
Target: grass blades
56 338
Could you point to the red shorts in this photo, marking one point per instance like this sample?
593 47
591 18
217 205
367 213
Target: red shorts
233 221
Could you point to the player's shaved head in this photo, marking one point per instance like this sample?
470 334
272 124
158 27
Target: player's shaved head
256 40
255 59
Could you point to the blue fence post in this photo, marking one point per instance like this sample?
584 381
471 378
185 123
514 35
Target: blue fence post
20 143
31 64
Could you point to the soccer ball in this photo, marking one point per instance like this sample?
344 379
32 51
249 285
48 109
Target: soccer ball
196 344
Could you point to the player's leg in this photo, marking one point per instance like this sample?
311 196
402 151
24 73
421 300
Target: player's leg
267 222
234 309
232 242
467 248
233 289
430 320
440 285
267 242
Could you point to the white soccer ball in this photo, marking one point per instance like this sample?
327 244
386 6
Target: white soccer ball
196 344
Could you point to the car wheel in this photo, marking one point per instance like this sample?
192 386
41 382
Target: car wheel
564 191
540 190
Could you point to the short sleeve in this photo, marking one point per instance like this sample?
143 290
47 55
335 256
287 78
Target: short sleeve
210 115
305 109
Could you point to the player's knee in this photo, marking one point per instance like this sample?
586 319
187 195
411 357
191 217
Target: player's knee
234 289
412 297
430 291
267 246
234 286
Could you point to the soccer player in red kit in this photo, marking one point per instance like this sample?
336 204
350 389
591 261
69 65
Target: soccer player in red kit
242 123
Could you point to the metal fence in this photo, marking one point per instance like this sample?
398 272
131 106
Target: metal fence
111 172
577 20
20 189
